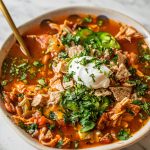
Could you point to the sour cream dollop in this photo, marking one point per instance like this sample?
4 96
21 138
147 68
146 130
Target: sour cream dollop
88 74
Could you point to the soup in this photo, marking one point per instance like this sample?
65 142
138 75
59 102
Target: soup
87 83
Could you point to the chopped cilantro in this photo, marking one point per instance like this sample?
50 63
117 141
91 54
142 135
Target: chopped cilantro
144 105
51 127
82 106
115 59
66 78
93 77
28 128
123 134
63 55
31 128
21 95
146 57
140 87
88 19
42 82
59 144
37 64
4 82
52 115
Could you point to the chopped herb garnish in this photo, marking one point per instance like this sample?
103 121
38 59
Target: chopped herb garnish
140 87
42 82
144 105
115 59
4 82
81 105
31 128
52 115
88 19
63 55
59 144
93 77
21 95
123 134
28 128
51 126
37 64
66 78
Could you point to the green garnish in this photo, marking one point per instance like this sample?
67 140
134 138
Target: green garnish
59 144
63 55
28 128
37 64
52 115
123 134
4 82
88 19
82 106
42 82
144 105
51 127
93 77
140 87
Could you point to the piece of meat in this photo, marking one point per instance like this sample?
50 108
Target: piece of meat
36 100
57 67
117 115
122 73
102 92
121 92
127 117
116 123
106 139
102 121
121 57
66 142
57 85
56 77
54 97
60 67
74 50
127 33
119 109
67 85
134 108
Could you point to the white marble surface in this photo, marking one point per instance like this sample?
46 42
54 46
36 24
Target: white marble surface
24 10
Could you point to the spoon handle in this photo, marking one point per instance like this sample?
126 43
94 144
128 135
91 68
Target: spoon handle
14 29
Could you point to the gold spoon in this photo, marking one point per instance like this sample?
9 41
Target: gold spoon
14 29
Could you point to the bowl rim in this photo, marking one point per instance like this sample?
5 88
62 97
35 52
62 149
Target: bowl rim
113 146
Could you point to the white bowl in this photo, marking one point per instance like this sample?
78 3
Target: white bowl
68 11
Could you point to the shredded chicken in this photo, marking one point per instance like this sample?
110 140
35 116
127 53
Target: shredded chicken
127 33
121 57
102 121
57 85
54 97
122 73
60 67
69 84
39 99
119 109
74 50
